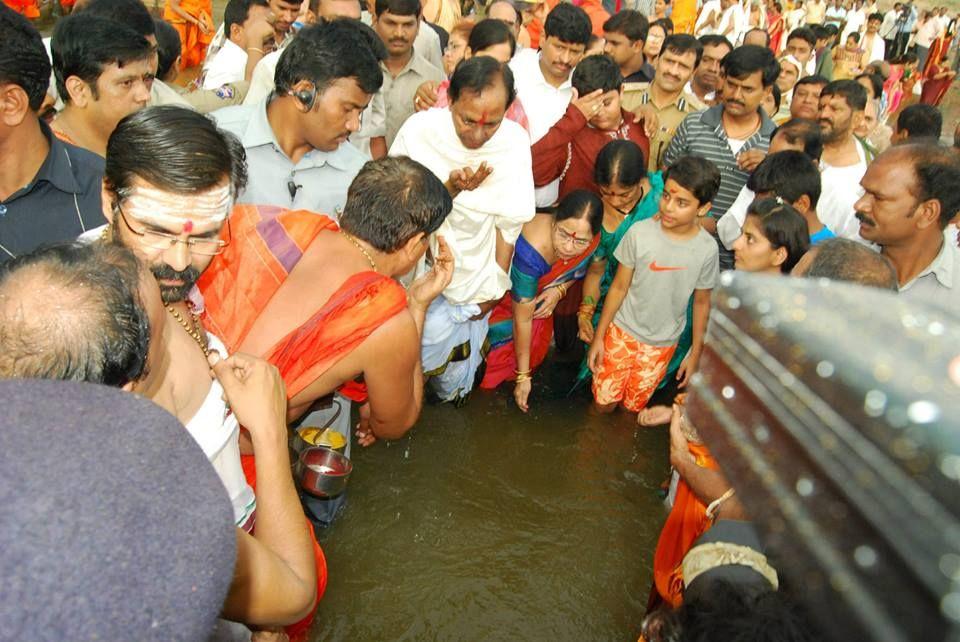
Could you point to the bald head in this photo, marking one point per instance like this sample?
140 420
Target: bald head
73 312
846 260
504 12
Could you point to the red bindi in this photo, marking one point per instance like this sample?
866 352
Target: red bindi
483 119
188 227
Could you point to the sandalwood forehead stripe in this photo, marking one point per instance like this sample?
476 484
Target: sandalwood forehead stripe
151 205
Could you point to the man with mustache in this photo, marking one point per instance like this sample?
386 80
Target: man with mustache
910 196
733 135
296 140
678 58
170 213
845 157
706 77
543 77
397 22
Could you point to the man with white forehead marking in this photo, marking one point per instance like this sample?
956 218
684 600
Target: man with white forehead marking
170 213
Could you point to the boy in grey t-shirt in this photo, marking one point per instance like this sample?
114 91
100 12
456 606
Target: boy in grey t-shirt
663 261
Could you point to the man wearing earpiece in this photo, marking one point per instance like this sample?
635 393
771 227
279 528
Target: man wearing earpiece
296 139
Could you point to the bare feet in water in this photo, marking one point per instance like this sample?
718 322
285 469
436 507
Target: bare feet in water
654 416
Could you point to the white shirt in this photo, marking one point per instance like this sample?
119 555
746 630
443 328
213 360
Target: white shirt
855 22
927 32
888 24
227 65
216 431
735 18
730 225
840 189
874 49
504 201
937 284
261 81
709 7
544 105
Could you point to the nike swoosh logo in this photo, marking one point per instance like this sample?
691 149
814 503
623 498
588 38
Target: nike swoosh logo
662 268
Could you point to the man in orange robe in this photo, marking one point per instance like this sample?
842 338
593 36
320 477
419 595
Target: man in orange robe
192 20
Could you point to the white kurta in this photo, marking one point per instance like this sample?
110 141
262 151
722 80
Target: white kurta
504 201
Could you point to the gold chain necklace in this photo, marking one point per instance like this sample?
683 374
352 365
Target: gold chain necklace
369 258
196 331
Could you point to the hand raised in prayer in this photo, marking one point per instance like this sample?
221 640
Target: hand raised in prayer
256 393
647 115
545 302
467 179
429 285
426 96
521 393
588 105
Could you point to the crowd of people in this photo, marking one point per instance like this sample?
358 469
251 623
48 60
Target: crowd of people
351 209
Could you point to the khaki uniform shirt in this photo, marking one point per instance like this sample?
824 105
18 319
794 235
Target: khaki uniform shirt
637 94
398 91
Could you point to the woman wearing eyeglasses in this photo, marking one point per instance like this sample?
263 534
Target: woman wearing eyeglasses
553 251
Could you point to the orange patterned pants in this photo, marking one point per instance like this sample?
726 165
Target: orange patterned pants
630 371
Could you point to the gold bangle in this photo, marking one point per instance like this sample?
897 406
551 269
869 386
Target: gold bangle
523 376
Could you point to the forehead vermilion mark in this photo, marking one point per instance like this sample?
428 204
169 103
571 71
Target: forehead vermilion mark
483 119
188 226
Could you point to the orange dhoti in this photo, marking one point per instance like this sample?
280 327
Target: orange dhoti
193 42
266 244
687 521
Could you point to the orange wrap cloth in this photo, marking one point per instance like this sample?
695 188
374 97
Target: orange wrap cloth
687 521
684 16
266 244
193 42
26 8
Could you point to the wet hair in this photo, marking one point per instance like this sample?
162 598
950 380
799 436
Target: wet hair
803 130
841 259
619 162
749 59
596 72
765 33
811 80
804 33
391 200
131 13
237 12
479 73
97 331
568 23
788 174
631 24
937 172
852 92
174 149
855 36
730 612
317 55
398 7
489 33
784 227
23 60
713 40
697 175
168 46
682 44
921 121
581 204
84 44
777 96
876 83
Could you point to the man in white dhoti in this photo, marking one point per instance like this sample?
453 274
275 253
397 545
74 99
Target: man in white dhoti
485 161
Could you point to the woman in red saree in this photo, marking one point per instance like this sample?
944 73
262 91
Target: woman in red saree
936 82
553 250
775 26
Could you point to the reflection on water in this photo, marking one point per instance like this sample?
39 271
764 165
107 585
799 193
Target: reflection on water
485 524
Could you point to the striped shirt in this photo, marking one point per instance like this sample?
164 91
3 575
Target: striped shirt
702 134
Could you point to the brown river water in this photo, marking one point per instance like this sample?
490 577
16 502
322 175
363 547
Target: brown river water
487 524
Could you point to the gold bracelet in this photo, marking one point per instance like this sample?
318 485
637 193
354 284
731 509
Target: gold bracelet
563 289
523 376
